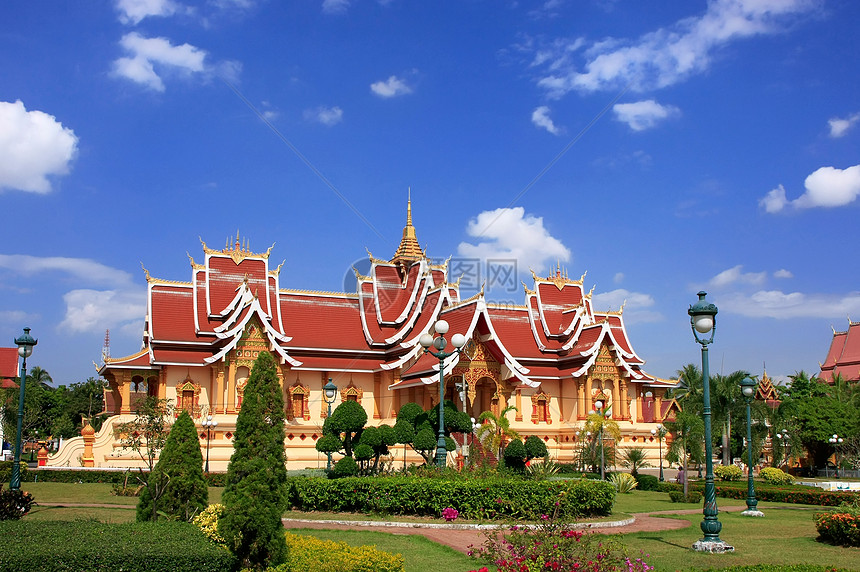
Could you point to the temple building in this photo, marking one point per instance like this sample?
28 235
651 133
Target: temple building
843 358
551 358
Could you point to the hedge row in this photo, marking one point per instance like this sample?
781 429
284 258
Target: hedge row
474 499
798 494
85 476
52 546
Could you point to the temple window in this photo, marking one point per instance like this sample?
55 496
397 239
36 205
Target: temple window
540 408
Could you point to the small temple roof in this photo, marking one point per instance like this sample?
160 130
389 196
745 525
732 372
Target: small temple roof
8 367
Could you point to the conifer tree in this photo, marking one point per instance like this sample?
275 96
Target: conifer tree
176 486
255 494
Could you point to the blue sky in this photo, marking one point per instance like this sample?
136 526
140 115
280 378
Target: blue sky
661 147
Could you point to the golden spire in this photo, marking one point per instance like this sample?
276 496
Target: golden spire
409 251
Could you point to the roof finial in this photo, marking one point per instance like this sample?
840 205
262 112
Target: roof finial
409 206
237 239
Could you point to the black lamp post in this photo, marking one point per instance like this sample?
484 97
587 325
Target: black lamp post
703 321
835 440
786 448
209 424
329 393
660 432
748 388
427 340
25 345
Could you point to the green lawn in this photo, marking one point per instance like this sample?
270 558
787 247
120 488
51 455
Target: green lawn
786 535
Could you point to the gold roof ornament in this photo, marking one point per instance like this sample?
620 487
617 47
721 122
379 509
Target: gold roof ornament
239 252
409 250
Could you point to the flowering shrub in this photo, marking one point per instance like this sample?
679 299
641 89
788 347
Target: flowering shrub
776 476
310 554
14 504
207 521
552 545
450 514
728 472
839 527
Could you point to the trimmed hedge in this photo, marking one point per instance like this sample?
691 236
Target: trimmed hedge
647 482
112 476
52 546
798 494
474 498
694 497
839 527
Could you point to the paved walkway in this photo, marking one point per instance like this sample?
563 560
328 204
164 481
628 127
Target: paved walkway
460 537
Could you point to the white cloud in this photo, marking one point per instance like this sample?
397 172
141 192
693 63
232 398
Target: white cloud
643 115
335 6
392 87
325 115
665 56
736 276
826 187
541 118
839 126
777 304
783 273
133 11
508 233
618 278
636 305
97 310
33 146
79 270
17 317
87 309
149 53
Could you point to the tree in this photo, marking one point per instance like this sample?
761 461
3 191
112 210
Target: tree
419 429
176 487
495 430
255 495
727 404
688 438
634 458
595 425
535 447
147 433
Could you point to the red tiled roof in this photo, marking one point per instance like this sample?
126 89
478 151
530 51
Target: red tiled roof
843 357
172 313
9 363
225 276
318 321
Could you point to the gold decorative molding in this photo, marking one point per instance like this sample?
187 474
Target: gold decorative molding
194 265
318 293
239 251
277 271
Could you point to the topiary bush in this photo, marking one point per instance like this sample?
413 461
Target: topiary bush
346 467
692 496
309 554
515 455
775 476
728 472
535 447
647 482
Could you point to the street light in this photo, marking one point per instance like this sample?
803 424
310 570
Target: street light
329 393
660 432
703 321
748 386
427 340
210 424
25 345
598 406
835 440
786 445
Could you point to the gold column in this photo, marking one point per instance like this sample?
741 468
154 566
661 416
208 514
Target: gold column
519 405
588 393
561 400
658 405
162 384
219 404
580 404
231 388
125 391
377 390
625 404
615 412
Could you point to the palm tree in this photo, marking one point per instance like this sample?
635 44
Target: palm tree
39 376
634 458
495 430
726 403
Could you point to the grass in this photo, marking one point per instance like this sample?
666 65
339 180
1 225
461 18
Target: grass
786 535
